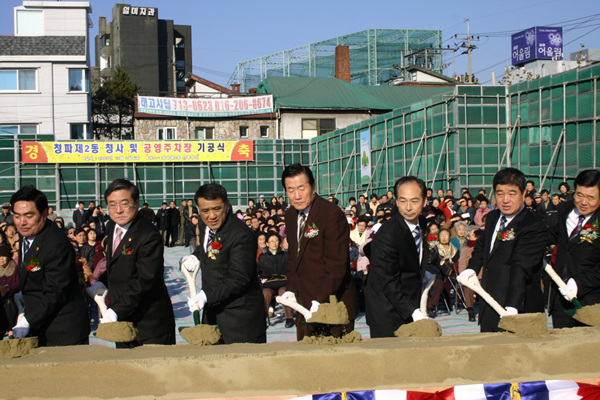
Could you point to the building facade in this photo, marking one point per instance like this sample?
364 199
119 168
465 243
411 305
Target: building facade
156 53
44 71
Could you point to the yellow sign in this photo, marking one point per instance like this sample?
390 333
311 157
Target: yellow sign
81 152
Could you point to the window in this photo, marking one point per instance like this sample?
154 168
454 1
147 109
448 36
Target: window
243 131
78 81
317 127
166 133
80 131
30 23
24 129
17 79
205 133
264 131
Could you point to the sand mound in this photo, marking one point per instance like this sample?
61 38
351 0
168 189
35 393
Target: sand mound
422 328
332 313
589 315
14 348
201 335
120 331
290 368
534 325
352 337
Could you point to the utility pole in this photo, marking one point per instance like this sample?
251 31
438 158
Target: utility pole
469 47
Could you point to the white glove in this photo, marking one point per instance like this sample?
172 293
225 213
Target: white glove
417 315
199 300
467 273
571 287
511 311
190 263
313 308
21 329
109 316
289 296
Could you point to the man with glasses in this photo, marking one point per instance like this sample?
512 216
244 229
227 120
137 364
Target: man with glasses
135 267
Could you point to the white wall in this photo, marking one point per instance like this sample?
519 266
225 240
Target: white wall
291 122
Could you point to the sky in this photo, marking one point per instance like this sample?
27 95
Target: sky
225 32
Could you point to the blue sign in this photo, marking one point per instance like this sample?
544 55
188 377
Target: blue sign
537 43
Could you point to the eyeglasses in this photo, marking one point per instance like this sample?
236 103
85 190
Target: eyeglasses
125 205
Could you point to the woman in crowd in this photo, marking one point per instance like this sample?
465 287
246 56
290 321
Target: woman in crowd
272 273
441 264
463 262
11 235
482 211
261 240
459 240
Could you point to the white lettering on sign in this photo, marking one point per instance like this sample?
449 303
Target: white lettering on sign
139 11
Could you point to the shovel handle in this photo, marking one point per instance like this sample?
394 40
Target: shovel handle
473 284
425 295
561 284
191 281
293 304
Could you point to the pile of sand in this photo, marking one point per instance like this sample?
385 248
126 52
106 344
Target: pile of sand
201 335
530 325
332 313
291 368
14 348
589 315
120 331
351 337
421 328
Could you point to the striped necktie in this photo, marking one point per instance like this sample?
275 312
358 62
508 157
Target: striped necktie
577 229
211 236
417 237
25 248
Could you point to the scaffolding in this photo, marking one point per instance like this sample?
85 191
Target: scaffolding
373 54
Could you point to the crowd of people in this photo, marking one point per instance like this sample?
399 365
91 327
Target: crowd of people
376 254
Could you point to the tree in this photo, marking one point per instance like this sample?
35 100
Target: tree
112 105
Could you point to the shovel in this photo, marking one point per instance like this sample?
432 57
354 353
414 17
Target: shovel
18 347
589 315
119 331
531 325
199 334
426 327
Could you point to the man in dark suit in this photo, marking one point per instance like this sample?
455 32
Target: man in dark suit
578 248
231 295
78 215
173 227
318 237
55 310
135 268
398 257
510 252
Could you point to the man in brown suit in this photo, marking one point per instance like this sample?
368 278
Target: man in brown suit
318 236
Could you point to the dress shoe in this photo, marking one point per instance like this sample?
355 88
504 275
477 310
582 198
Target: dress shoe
471 313
289 322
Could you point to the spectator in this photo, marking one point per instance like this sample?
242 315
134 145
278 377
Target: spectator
482 211
565 192
78 215
148 213
463 261
162 220
51 214
272 273
261 240
441 264
6 215
9 285
173 229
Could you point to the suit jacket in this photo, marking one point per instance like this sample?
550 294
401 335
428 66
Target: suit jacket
78 218
394 284
511 270
54 305
234 298
136 285
581 258
321 268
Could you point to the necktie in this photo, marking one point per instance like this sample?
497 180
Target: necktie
502 223
417 237
25 247
117 240
211 237
301 230
577 229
